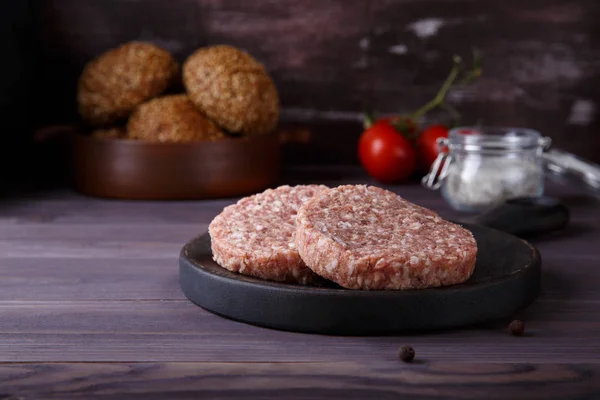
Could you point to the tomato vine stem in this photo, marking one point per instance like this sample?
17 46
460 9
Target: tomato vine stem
407 124
440 97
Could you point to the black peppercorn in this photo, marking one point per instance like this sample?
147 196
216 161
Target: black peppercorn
517 327
407 353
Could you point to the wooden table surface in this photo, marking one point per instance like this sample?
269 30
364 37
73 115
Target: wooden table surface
90 306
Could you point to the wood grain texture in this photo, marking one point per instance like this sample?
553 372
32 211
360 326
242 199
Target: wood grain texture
66 207
388 379
176 330
112 278
90 306
538 57
85 278
331 60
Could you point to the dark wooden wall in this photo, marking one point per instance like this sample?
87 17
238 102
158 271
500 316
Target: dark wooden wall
333 58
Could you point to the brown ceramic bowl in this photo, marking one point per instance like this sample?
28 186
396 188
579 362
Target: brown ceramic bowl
133 169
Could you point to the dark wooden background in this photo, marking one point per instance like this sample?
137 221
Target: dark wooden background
333 58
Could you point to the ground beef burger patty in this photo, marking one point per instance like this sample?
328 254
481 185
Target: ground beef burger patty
364 237
255 236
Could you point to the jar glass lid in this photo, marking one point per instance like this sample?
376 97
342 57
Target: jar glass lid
494 138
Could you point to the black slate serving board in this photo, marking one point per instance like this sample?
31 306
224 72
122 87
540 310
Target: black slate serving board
506 278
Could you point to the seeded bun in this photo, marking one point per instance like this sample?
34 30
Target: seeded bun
233 89
171 119
113 84
110 133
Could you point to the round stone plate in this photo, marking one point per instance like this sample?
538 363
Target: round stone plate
506 278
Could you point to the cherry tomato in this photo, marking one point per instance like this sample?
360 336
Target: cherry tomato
427 146
385 154
405 125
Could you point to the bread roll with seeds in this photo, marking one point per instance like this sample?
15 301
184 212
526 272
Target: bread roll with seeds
113 84
171 119
233 89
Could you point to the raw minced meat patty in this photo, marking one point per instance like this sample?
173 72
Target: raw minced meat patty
255 236
364 237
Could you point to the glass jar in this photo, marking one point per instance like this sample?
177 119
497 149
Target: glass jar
481 167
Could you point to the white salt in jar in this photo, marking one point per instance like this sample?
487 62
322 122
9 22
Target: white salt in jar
479 168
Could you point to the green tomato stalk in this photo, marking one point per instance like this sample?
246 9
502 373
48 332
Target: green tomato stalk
440 98
406 124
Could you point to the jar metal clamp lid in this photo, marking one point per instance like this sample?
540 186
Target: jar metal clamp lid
433 180
562 165
472 140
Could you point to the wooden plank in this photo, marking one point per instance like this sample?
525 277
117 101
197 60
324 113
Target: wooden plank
90 250
66 207
329 380
82 279
95 242
530 72
312 49
82 240
152 278
101 232
134 331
